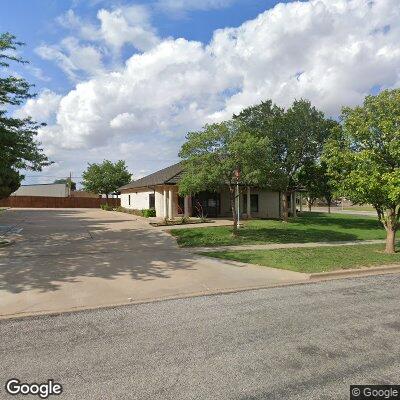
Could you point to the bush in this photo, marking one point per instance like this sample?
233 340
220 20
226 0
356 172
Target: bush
149 213
106 207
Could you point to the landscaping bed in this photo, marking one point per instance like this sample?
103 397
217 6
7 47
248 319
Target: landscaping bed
306 228
181 221
314 259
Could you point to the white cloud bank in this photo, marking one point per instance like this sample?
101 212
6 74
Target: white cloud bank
329 51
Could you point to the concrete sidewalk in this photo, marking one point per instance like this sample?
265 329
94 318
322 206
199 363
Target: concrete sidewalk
70 259
273 246
338 210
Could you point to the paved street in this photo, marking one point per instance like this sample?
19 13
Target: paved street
299 342
68 259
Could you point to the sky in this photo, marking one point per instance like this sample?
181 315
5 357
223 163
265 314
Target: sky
128 79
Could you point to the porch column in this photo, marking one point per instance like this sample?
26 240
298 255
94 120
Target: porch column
171 204
165 202
186 206
248 202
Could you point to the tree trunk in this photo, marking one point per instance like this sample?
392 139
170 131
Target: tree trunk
329 206
309 206
285 207
391 232
390 241
233 208
107 198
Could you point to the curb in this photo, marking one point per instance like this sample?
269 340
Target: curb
385 269
312 279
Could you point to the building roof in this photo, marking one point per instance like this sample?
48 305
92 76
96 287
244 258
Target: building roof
44 184
167 176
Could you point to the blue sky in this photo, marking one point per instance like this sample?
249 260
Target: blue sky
128 79
35 22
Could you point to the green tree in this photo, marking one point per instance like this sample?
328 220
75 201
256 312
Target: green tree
106 178
10 181
325 184
293 137
313 177
70 183
18 148
308 178
363 158
218 155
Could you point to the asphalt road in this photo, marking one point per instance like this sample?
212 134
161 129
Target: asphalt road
301 342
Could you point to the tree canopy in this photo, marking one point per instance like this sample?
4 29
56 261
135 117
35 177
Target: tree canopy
214 156
106 177
292 137
363 158
313 177
18 147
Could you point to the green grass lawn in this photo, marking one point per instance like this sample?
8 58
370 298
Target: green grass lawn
316 259
360 208
309 227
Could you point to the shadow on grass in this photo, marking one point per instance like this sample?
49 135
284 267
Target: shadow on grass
220 236
272 235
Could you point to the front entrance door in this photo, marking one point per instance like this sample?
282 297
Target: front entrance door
206 204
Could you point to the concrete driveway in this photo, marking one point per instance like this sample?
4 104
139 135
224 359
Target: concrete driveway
68 259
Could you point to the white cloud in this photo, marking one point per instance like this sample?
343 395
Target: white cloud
117 27
329 51
128 25
73 22
37 72
41 108
72 57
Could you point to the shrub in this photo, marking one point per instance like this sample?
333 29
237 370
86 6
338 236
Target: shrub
149 213
106 207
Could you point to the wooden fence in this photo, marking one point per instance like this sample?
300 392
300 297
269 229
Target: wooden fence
56 202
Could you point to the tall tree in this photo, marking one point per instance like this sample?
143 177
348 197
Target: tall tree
363 158
325 184
10 181
18 148
106 178
315 180
219 155
293 137
308 178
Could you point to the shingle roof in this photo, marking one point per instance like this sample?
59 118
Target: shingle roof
169 175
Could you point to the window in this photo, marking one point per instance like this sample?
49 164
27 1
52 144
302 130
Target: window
253 203
129 199
152 201
181 205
